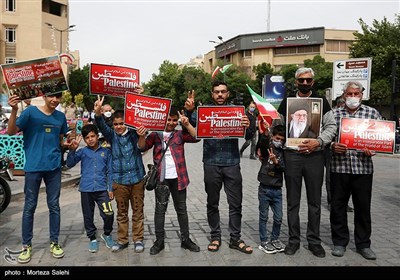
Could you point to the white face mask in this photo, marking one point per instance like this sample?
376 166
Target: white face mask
353 102
107 114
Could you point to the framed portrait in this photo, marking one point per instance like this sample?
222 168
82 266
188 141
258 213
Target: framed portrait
303 120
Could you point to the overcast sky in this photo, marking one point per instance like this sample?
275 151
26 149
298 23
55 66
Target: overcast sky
142 34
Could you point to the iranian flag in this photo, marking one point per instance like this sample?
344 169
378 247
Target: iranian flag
267 112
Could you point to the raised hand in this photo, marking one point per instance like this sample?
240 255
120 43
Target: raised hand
139 90
184 119
13 101
74 144
189 103
141 131
98 104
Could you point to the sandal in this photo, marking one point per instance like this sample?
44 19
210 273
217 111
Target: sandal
240 246
214 245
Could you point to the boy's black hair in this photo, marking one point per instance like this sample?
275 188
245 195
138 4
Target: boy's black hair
279 130
118 114
218 83
173 111
86 129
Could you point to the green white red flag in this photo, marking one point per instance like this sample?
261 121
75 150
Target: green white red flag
267 111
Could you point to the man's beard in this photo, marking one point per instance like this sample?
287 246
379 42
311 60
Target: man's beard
298 128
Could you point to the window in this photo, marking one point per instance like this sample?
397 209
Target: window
10 5
246 53
10 60
297 50
338 46
10 35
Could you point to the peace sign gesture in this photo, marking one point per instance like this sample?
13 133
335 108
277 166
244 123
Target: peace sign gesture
189 104
98 104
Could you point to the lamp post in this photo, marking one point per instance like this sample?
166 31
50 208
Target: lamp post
225 50
68 29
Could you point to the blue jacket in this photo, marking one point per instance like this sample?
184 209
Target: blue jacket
96 168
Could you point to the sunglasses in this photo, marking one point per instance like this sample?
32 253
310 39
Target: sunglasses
308 80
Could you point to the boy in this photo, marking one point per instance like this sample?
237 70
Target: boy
95 185
270 177
173 177
127 175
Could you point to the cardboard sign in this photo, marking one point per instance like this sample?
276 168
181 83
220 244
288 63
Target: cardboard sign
33 78
151 112
112 80
376 135
304 116
220 122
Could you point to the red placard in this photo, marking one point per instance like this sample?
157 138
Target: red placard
112 80
33 78
151 112
376 135
220 122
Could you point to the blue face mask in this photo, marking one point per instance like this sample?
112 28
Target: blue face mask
252 109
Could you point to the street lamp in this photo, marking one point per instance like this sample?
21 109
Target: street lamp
68 29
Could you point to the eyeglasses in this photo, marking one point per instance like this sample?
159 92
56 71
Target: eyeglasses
220 91
308 80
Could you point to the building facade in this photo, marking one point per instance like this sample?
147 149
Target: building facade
35 29
280 48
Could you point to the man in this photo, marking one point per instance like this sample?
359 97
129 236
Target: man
299 126
221 164
43 130
306 162
127 174
352 174
251 132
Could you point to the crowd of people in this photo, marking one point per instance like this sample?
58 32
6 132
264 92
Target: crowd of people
117 172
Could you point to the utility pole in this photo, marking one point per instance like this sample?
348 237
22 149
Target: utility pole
268 15
225 50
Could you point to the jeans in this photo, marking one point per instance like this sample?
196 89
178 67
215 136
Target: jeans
162 193
52 180
269 197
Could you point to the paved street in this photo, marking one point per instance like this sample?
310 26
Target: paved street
385 235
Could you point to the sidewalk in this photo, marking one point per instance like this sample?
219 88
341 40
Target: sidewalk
385 223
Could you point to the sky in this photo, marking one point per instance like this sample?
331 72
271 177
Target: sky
143 34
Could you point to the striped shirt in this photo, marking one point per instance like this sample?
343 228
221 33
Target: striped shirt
353 162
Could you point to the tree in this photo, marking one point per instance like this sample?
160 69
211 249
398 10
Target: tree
381 41
323 73
260 71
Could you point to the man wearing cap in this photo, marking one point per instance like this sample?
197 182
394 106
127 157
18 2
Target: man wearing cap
306 162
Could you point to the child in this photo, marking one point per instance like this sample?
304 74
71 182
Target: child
270 177
175 178
95 185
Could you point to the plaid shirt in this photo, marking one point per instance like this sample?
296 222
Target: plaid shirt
176 146
127 163
353 162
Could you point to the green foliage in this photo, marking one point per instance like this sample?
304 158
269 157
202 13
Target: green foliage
78 99
66 98
323 73
381 41
260 71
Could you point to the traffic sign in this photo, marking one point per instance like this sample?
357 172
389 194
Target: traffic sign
355 69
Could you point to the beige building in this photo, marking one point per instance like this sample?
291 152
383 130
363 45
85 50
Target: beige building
35 29
280 48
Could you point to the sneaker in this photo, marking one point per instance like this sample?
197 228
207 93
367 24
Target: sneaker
139 246
190 245
267 247
108 240
119 247
93 246
279 246
157 247
56 249
25 255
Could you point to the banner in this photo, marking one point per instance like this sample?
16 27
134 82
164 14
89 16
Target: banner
151 112
376 135
33 78
220 122
304 117
112 80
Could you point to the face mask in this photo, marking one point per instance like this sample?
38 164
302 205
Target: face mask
252 109
353 102
277 144
304 88
107 114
